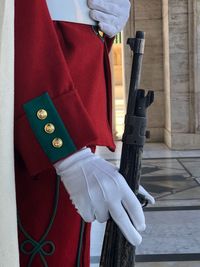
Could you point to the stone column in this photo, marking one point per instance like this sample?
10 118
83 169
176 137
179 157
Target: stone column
181 73
146 15
171 68
196 8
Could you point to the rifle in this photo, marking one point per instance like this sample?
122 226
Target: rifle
117 251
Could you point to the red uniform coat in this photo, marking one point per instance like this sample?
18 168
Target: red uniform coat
70 62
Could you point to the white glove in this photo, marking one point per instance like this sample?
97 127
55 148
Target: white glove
112 15
143 192
97 189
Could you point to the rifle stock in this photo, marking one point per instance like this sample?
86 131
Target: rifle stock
117 251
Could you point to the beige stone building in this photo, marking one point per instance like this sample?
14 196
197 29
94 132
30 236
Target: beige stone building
171 67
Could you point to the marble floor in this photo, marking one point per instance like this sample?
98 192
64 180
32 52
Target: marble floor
172 237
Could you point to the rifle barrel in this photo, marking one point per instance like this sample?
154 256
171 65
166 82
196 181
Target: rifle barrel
117 251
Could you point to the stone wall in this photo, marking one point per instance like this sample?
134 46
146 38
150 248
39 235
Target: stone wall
182 88
171 67
146 15
197 66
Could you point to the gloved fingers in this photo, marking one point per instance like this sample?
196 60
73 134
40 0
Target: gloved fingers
109 7
108 29
83 207
146 194
103 17
87 213
121 218
102 214
97 197
87 217
132 206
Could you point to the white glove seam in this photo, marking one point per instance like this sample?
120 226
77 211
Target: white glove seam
108 174
89 194
104 196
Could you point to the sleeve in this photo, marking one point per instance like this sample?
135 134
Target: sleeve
51 121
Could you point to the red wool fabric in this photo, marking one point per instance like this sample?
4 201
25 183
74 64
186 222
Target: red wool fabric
70 62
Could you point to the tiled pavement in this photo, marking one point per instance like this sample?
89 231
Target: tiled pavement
172 237
164 264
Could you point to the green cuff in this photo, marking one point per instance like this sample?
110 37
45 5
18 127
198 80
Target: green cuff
49 128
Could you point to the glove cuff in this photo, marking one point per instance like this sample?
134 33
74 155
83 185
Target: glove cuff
66 163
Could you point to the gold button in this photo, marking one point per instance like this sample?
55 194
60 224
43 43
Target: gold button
57 142
42 114
49 128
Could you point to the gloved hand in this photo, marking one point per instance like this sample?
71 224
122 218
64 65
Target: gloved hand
143 192
112 15
97 189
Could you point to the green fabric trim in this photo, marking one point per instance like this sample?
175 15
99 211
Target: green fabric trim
44 102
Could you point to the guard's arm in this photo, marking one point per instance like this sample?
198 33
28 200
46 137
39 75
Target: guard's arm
43 82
